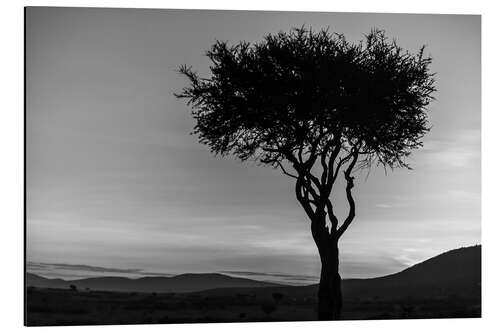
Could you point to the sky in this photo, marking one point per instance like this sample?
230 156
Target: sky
117 185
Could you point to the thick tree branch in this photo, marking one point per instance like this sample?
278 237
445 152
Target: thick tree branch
349 186
331 216
304 171
303 200
308 187
324 165
331 175
324 154
312 178
354 152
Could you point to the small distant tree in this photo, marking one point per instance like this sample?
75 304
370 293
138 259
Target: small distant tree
315 106
73 287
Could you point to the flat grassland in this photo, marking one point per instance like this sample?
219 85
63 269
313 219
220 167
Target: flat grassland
47 307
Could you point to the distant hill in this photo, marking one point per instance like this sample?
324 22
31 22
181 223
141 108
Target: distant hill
453 273
179 284
456 272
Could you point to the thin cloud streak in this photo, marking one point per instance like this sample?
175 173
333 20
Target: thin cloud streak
71 272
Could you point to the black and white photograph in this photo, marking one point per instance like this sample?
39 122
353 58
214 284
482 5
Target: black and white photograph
221 166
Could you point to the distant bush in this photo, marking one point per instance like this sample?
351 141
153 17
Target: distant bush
278 297
73 287
268 308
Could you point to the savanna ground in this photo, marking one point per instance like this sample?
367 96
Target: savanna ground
47 307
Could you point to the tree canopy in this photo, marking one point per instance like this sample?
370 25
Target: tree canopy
309 98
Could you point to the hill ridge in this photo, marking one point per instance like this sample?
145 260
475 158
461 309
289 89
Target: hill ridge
188 282
457 269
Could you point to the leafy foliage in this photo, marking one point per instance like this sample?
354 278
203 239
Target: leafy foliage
302 91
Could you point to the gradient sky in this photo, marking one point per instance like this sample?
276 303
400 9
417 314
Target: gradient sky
114 178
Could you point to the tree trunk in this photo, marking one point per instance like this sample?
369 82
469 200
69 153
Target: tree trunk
329 291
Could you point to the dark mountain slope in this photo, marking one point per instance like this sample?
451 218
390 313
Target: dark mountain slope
456 272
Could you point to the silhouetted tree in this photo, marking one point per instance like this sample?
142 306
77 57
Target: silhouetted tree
315 106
